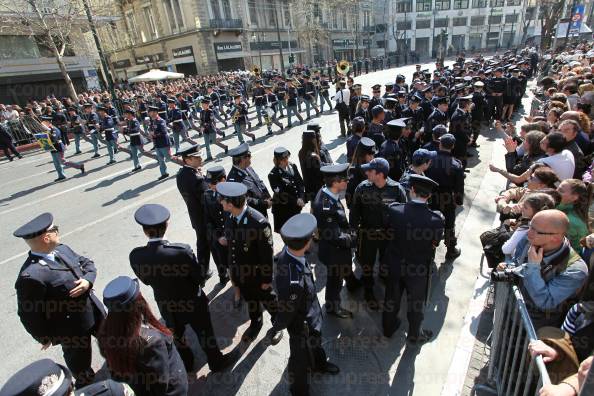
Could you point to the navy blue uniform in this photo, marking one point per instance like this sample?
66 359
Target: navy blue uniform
301 316
158 368
215 218
391 151
257 194
448 172
335 244
415 231
175 275
351 144
49 314
287 186
159 129
191 186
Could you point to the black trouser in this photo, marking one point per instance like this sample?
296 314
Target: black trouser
343 119
370 243
219 255
255 298
64 137
476 128
305 346
203 249
338 269
496 106
8 147
415 286
200 322
449 214
77 352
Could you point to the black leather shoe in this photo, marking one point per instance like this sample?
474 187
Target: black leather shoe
275 336
453 253
341 313
163 177
226 361
82 169
252 332
388 333
421 338
328 368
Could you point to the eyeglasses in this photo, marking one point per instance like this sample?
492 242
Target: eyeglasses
531 228
55 229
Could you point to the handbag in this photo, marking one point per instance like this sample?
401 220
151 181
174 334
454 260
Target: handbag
492 241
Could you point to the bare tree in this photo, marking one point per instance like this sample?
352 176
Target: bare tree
309 25
550 13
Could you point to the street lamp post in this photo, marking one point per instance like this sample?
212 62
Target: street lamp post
280 43
256 36
433 34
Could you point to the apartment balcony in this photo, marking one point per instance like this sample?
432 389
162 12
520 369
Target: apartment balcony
226 24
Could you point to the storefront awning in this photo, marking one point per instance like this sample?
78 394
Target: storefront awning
231 55
137 68
178 61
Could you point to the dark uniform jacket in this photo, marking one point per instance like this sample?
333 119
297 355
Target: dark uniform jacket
214 215
390 150
415 231
176 118
448 172
175 275
133 131
159 128
287 186
191 186
257 193
333 227
159 370
436 118
376 133
207 121
370 203
351 145
104 388
43 304
250 249
296 291
461 128
107 127
417 118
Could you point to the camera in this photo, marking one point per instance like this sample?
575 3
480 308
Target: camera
507 275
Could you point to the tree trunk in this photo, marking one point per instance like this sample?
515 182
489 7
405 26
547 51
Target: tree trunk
62 66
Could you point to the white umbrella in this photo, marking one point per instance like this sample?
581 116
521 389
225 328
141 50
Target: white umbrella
156 75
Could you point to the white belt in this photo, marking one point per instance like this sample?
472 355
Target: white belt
178 121
109 130
134 134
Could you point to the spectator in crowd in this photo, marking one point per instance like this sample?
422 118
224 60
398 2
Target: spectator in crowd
518 164
570 129
550 271
575 201
531 204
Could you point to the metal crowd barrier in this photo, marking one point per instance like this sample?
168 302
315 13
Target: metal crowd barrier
511 369
18 132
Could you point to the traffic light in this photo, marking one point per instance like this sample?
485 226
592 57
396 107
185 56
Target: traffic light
291 58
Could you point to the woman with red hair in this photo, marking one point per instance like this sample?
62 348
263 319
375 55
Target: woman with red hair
139 349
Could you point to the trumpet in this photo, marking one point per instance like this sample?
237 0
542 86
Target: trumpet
296 82
343 67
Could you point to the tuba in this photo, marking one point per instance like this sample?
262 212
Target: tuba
343 67
256 70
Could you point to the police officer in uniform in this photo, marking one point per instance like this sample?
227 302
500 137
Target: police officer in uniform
287 186
160 137
258 196
249 240
92 124
461 128
391 150
156 368
496 87
364 153
191 186
448 172
176 276
55 300
416 231
107 126
324 152
438 117
132 129
215 218
366 217
302 314
357 128
335 237
45 375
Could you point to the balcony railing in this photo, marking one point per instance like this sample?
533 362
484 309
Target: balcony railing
226 23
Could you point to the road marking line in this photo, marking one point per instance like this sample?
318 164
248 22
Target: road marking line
225 162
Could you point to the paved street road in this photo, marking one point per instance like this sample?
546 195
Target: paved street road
95 215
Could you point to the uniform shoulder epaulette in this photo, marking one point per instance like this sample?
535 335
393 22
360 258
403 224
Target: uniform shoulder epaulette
437 213
182 246
457 162
394 204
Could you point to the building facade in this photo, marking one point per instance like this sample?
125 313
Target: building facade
28 66
427 28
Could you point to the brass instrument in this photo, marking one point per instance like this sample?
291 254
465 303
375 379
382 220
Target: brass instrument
256 70
236 114
343 67
296 82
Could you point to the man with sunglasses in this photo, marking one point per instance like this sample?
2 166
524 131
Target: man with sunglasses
551 273
55 301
